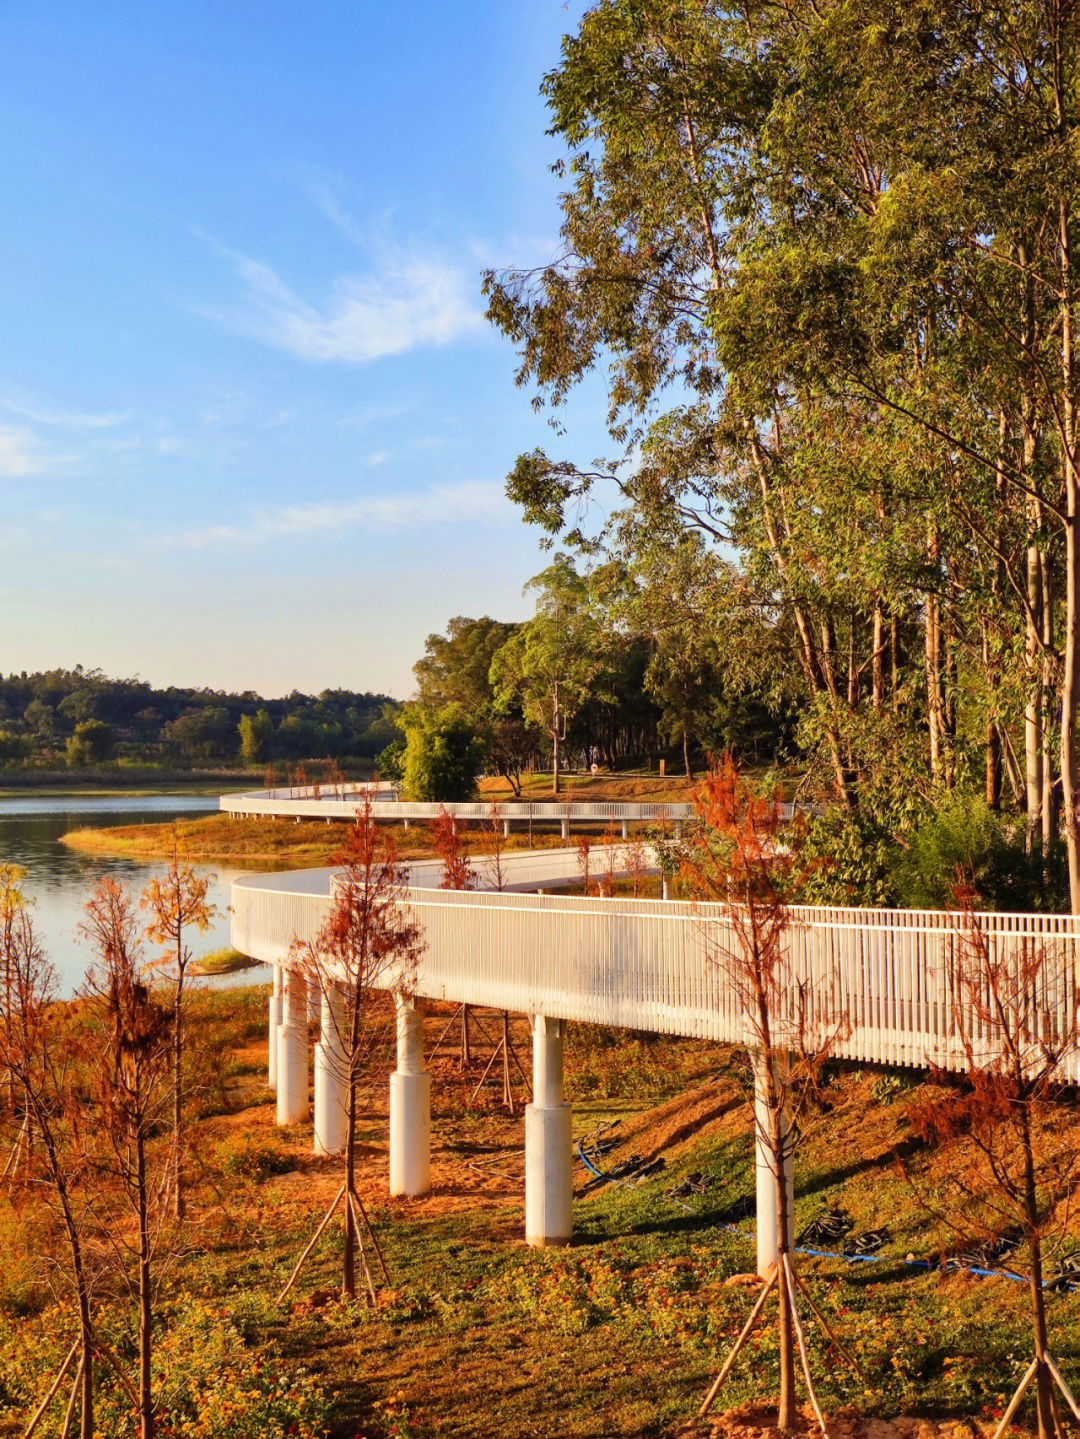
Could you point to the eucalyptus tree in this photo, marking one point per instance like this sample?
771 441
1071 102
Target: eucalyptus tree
548 664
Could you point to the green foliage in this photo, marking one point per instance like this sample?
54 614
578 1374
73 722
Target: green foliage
256 737
215 1383
851 860
91 743
390 762
443 754
965 841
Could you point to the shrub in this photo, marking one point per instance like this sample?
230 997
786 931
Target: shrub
964 837
257 1159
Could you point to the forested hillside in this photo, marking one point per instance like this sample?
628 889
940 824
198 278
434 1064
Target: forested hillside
81 718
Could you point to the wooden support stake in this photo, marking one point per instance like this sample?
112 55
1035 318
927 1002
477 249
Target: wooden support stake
1056 1375
825 1325
789 1271
353 1206
1014 1402
69 1412
359 1203
487 1071
114 1364
743 1337
57 1381
312 1243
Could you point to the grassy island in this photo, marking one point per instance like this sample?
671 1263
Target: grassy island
258 843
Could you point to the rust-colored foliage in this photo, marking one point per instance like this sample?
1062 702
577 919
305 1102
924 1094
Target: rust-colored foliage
447 841
745 857
368 943
176 904
1009 1163
494 841
584 845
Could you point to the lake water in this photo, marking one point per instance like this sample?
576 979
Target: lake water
59 880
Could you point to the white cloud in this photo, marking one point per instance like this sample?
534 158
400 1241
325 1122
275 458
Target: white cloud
378 457
472 501
408 300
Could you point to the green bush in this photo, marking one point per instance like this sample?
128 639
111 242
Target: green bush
443 754
966 840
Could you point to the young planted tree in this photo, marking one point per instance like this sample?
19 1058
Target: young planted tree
131 1089
495 845
747 860
457 874
368 944
176 904
1001 1129
40 1069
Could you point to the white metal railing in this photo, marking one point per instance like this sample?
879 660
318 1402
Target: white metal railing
653 964
331 804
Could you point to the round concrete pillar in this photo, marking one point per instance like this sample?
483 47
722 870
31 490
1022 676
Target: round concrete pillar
765 1177
275 1020
665 886
292 1052
549 1172
566 829
331 1074
626 829
506 829
410 1106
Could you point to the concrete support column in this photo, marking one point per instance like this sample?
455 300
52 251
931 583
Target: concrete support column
331 1074
665 886
410 1106
566 829
549 1165
292 1052
626 829
506 829
275 1020
765 1175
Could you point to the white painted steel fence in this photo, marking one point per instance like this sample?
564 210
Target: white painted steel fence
657 965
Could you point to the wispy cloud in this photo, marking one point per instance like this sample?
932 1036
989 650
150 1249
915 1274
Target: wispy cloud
472 501
60 419
23 453
406 301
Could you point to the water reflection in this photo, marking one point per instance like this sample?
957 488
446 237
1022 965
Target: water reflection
60 879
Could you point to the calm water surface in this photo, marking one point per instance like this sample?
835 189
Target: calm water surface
60 879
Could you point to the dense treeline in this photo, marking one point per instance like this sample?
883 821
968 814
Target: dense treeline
824 256
82 718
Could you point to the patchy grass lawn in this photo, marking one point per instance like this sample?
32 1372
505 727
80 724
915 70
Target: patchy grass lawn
618 1335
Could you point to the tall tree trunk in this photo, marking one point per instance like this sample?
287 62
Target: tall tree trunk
1049 805
877 663
1033 706
1070 682
686 752
933 688
993 734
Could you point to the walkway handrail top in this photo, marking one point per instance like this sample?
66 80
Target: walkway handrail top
328 805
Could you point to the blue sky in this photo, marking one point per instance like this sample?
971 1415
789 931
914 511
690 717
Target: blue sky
254 430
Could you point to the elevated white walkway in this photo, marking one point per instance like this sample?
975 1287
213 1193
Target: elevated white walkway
652 965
